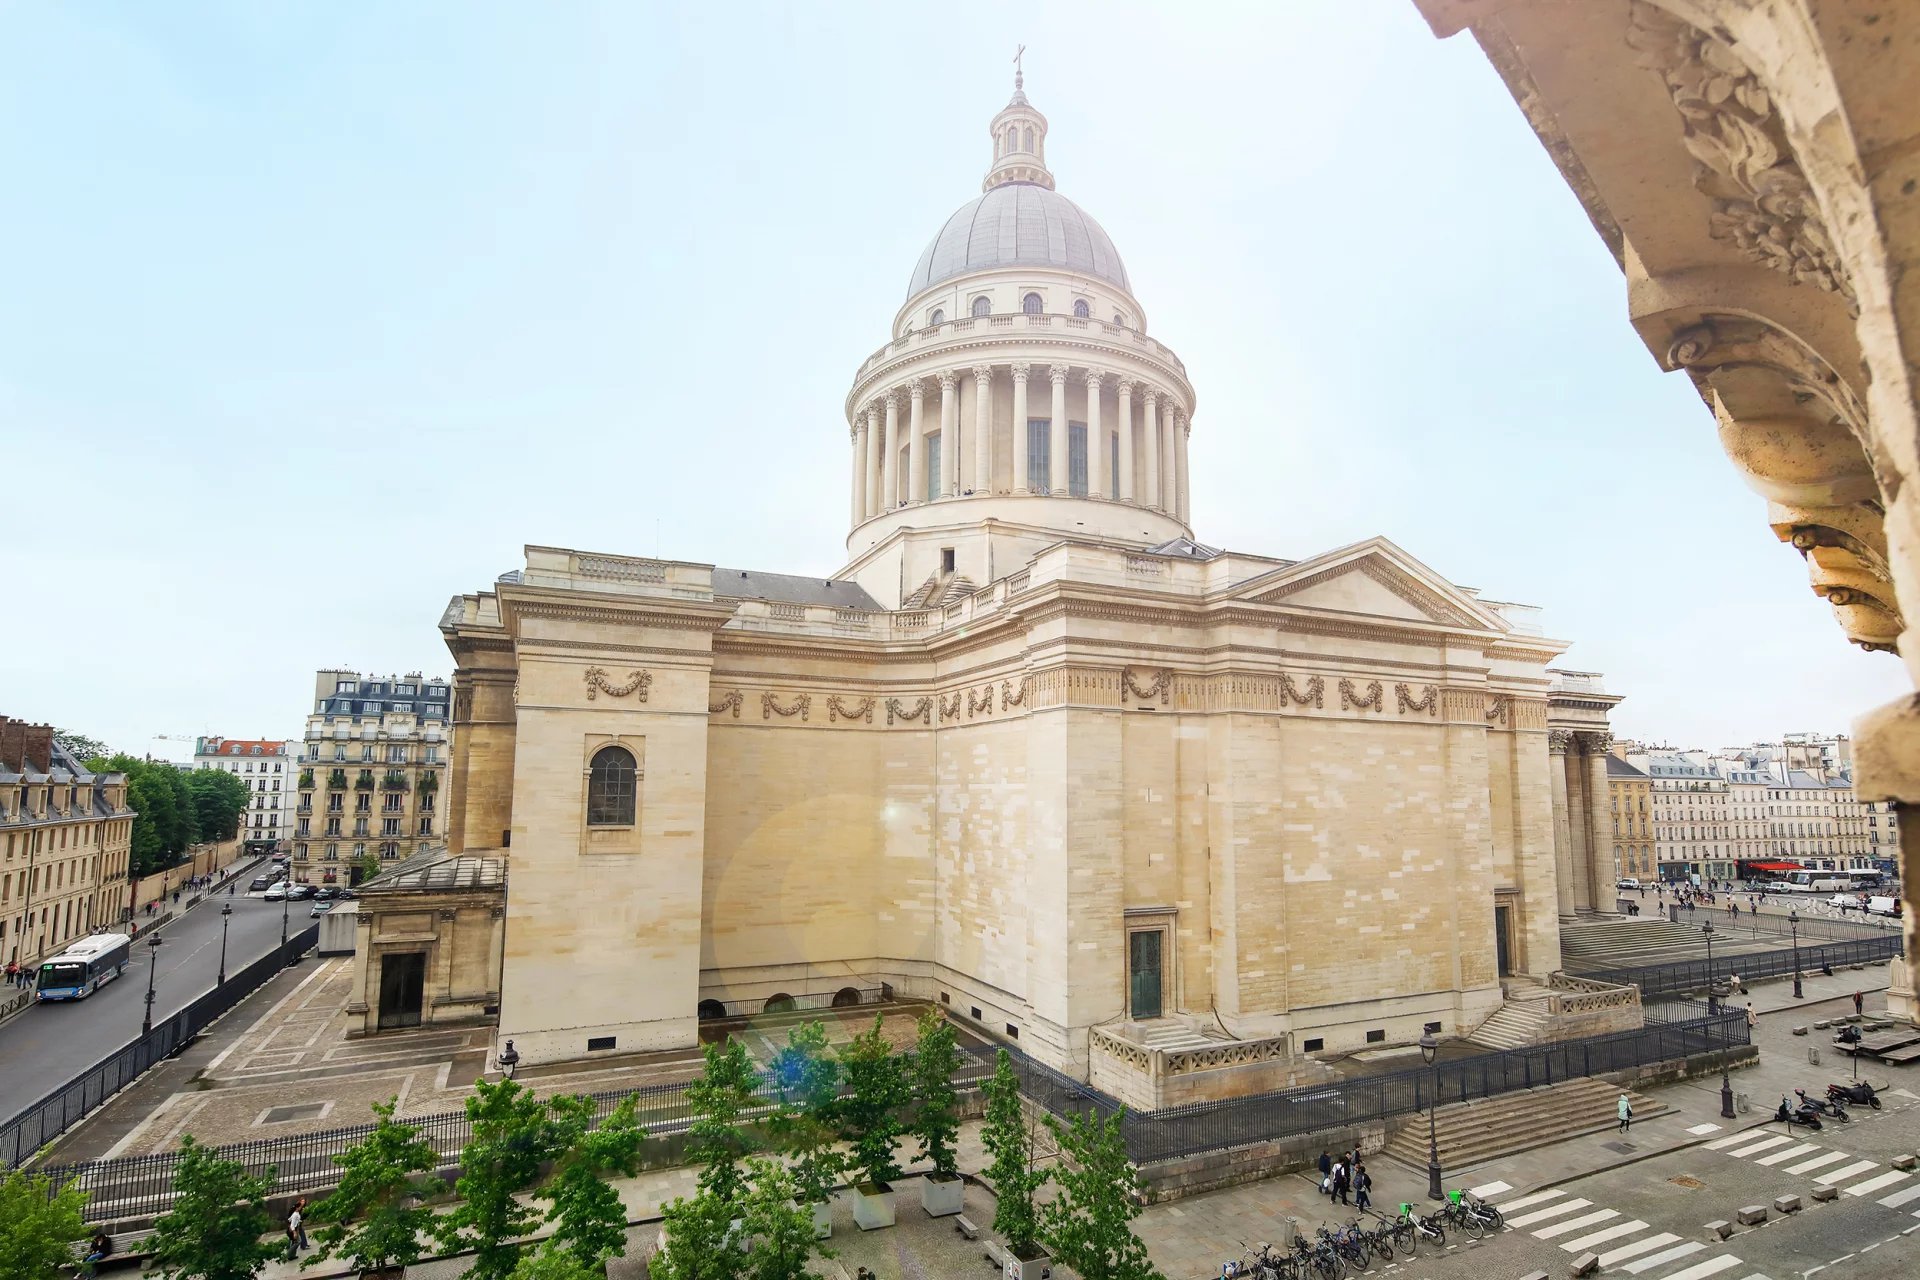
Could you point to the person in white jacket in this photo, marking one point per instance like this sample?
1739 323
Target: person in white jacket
1626 1113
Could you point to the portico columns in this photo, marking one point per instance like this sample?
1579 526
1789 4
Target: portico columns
1602 874
1169 471
949 433
888 496
1150 433
872 444
1057 448
1181 436
916 485
858 488
1096 439
1558 740
1022 447
982 428
1125 387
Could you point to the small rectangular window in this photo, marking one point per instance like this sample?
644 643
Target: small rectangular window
946 559
1376 1036
1013 1032
1314 1045
945 998
975 1011
597 1043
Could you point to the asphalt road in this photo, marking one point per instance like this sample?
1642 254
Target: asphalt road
48 1044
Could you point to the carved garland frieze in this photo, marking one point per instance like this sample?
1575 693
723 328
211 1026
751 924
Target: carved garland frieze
801 706
839 708
598 683
1313 695
1763 205
921 711
1351 698
980 702
950 707
1404 699
1158 687
729 703
1499 707
1009 699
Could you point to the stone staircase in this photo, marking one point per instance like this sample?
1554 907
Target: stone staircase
1173 1035
1521 1020
1591 946
1472 1133
937 592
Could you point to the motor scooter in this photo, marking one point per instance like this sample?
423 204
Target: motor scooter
1828 1106
1860 1094
1805 1117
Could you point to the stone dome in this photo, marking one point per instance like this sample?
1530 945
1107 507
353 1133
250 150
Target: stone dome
1019 224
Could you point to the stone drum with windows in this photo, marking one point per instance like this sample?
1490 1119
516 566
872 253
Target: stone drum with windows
1033 753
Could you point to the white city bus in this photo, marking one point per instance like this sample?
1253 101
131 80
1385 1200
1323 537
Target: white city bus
85 967
1817 881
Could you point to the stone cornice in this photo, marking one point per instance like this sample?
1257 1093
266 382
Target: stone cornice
671 613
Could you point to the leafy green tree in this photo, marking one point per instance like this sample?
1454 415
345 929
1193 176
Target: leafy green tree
781 1231
219 798
592 1221
717 1140
807 1078
166 822
1010 1144
936 1113
1085 1226
81 747
374 1218
364 868
219 1227
38 1225
870 1114
699 1244
551 1263
512 1139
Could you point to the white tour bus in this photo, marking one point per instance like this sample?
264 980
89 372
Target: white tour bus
85 967
1817 881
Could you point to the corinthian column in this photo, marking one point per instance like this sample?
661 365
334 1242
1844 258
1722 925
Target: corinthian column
1557 742
1096 439
1150 438
862 464
872 444
1057 449
887 495
949 433
983 428
1602 871
1022 447
1124 386
1169 470
916 444
1182 434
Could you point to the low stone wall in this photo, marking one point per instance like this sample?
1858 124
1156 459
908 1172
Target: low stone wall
1155 1079
1581 1007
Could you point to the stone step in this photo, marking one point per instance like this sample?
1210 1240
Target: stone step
1474 1132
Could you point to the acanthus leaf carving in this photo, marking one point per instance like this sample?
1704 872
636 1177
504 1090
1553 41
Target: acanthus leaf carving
1351 698
598 682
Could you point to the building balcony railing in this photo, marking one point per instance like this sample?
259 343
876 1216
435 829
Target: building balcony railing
965 327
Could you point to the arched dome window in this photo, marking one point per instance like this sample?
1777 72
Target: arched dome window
611 788
1029 146
1119 319
1081 309
1031 304
938 317
982 306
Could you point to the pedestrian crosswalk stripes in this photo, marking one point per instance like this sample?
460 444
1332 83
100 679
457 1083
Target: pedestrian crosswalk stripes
1765 1144
1552 1211
1899 1198
1806 1166
1580 1244
1872 1185
1786 1154
1539 1197
1853 1170
1665 1256
1637 1248
1576 1224
1486 1189
1701 1270
1700 1130
1721 1144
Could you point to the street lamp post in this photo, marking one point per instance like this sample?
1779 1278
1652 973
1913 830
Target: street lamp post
1429 1049
153 962
286 905
1713 994
1793 923
226 914
509 1059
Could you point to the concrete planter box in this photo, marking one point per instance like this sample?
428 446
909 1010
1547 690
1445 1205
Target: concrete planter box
942 1196
822 1220
1033 1268
873 1205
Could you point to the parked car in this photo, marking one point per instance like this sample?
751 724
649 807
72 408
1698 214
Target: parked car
1883 906
300 892
1627 882
261 882
326 893
320 909
276 892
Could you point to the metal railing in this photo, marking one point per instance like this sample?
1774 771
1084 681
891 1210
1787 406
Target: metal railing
60 1110
1678 977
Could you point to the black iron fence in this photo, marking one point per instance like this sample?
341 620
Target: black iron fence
1679 977
61 1109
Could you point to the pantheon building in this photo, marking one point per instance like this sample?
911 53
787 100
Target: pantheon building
1036 752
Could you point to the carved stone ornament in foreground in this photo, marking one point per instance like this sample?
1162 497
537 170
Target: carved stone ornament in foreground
1762 203
1157 688
599 683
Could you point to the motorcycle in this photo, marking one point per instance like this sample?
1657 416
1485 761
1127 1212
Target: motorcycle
1805 1117
1860 1094
1827 1106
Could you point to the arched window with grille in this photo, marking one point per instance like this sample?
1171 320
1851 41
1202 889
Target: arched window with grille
983 306
1031 304
611 787
938 317
1081 309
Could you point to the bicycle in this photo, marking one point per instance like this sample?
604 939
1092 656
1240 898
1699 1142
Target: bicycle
1378 1238
1492 1217
1425 1227
1350 1251
1319 1260
1460 1216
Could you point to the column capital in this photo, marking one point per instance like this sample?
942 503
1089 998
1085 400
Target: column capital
1057 373
949 379
1094 377
892 399
983 374
1149 393
1020 370
1125 385
1596 744
1558 740
917 389
873 408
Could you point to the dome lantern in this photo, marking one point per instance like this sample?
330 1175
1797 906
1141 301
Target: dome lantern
1019 135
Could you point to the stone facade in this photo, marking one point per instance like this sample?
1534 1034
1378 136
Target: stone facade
1752 168
268 767
1630 813
427 939
66 840
375 757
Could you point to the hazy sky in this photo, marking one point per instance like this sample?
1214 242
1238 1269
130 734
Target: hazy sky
314 314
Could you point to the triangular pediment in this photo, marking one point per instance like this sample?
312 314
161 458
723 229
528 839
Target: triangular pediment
1374 579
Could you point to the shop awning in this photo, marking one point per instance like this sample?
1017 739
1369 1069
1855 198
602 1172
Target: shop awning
1773 866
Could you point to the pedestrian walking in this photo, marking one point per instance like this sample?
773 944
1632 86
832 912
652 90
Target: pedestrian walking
1625 1111
1341 1182
296 1232
13 974
1326 1173
1859 1004
1362 1187
1753 1019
